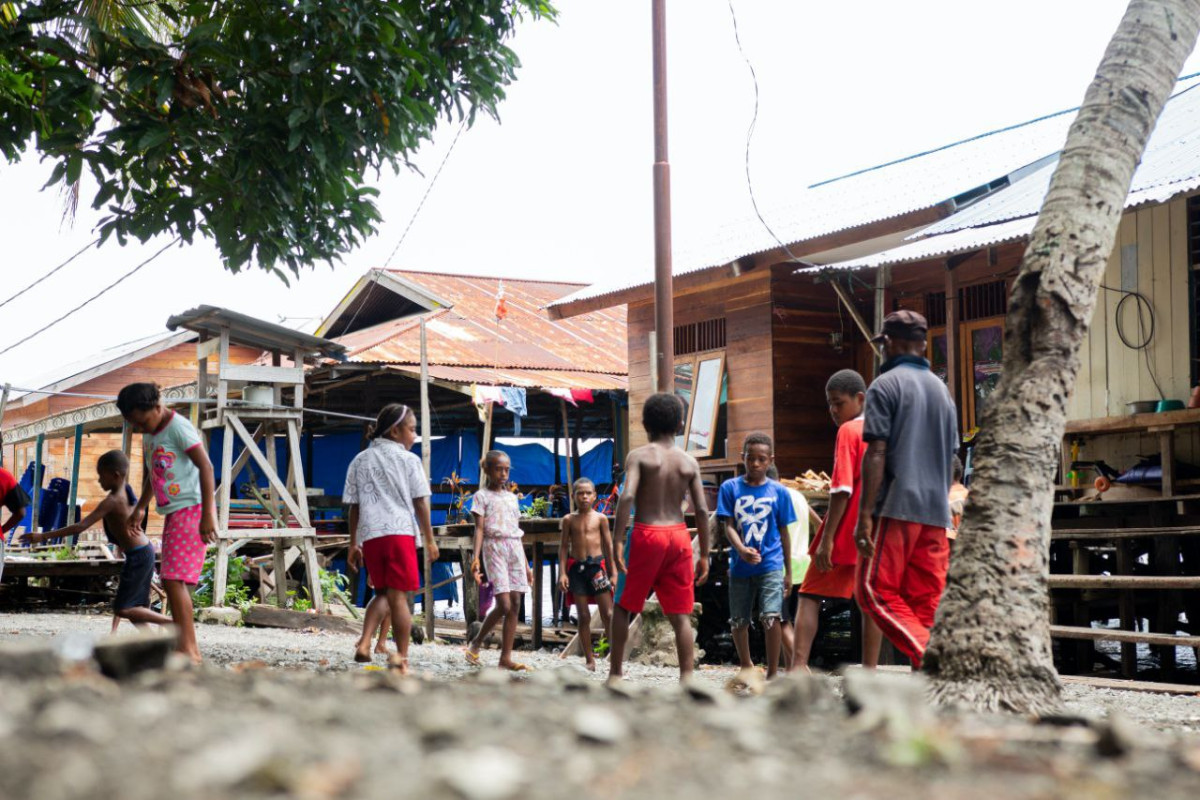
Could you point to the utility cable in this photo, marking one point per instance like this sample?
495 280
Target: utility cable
1145 329
80 252
425 196
91 299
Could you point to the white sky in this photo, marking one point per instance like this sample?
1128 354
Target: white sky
561 187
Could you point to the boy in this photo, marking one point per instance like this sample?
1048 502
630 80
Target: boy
133 591
958 499
831 573
586 546
756 512
658 555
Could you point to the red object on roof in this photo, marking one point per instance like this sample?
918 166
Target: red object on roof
463 332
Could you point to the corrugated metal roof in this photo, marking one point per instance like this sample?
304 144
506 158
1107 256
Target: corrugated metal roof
467 334
253 332
884 192
63 378
935 246
526 378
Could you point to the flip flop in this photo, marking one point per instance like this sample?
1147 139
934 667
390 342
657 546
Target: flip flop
519 667
472 658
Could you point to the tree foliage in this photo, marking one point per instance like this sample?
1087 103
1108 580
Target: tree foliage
255 124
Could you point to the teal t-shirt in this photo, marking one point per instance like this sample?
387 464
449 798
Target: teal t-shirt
173 476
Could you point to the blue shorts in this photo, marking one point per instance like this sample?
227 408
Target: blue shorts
133 590
764 591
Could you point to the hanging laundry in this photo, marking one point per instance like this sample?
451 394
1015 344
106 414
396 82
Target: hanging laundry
514 401
582 396
482 396
501 304
561 394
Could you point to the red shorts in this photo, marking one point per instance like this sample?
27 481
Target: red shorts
838 582
391 563
658 558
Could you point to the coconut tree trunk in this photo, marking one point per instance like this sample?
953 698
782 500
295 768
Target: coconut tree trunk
990 646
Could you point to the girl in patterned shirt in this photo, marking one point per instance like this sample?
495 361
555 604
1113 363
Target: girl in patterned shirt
498 540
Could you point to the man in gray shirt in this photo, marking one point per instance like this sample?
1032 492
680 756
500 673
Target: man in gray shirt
911 429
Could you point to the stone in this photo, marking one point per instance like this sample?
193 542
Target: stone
703 692
212 615
599 725
120 657
488 773
797 693
22 660
1118 736
568 678
892 701
652 639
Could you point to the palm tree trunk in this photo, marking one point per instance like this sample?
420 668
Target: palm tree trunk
990 647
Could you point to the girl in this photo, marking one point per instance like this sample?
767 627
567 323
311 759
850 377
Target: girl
388 498
498 540
179 476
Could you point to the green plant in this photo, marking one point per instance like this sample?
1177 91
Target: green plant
299 603
333 585
601 647
237 593
540 507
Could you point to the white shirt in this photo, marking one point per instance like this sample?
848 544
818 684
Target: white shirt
500 512
383 481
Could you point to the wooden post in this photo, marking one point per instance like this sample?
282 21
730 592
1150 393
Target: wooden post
883 278
567 439
427 463
3 408
1166 444
37 481
486 444
953 366
73 494
539 555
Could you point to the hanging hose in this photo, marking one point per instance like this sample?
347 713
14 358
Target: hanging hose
1145 329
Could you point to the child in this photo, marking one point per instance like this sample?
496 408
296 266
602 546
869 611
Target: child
658 555
387 494
798 535
831 572
958 499
757 512
179 474
133 591
498 540
586 548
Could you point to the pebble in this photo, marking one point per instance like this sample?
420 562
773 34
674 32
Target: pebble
488 773
599 724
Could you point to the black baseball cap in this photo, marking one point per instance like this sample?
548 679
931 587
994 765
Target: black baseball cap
903 325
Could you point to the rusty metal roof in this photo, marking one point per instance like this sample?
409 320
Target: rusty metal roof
526 378
467 335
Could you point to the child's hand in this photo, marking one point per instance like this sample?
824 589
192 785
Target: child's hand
476 572
354 557
619 563
863 535
30 538
529 574
208 526
701 571
612 579
823 560
432 552
564 583
750 555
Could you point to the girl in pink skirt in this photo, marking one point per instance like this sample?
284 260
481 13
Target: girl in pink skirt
180 476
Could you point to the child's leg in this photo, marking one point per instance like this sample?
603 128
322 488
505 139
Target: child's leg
771 630
585 631
116 622
872 639
401 624
616 641
510 632
682 625
500 611
384 627
181 613
141 615
808 617
377 610
604 602
787 642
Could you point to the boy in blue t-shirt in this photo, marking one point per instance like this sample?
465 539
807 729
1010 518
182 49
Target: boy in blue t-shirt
756 512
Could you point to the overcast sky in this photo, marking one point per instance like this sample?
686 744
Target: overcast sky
561 188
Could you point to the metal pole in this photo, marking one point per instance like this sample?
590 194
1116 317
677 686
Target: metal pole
427 462
3 408
37 482
76 454
664 318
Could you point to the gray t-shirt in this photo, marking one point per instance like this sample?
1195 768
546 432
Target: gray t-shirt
910 408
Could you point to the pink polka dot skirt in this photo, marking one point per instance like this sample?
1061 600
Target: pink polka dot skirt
182 547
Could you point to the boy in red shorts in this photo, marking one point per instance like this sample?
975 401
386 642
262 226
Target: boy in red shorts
830 574
658 555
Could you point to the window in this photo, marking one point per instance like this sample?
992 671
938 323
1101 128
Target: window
1193 239
698 337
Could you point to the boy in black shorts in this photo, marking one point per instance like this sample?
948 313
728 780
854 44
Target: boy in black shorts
133 591
586 549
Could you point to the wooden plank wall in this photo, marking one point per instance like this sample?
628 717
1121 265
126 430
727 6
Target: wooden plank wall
745 303
1112 374
803 316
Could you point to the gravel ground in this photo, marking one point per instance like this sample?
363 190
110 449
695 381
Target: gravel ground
332 652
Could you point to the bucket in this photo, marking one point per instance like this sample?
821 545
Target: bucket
259 395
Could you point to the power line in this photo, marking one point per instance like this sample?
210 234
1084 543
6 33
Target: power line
85 248
91 299
750 136
428 189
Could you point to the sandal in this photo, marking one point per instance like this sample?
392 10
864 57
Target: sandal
517 666
472 658
397 663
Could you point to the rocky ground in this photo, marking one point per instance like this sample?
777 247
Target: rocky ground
276 713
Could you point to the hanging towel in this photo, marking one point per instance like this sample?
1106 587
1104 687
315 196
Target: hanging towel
481 396
513 399
582 396
561 394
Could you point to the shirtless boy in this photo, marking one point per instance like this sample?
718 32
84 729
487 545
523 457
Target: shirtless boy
591 573
133 591
658 555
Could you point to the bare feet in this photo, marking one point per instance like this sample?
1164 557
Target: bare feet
472 657
381 649
748 680
513 666
398 664
591 665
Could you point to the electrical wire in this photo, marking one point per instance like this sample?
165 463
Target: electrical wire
91 299
80 252
425 196
749 138
1145 329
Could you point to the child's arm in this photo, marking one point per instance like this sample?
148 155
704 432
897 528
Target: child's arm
606 548
814 518
785 539
139 511
477 547
872 479
208 494
354 557
633 476
105 506
563 554
700 508
838 503
421 509
748 554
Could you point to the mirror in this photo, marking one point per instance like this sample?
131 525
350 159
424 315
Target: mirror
707 396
